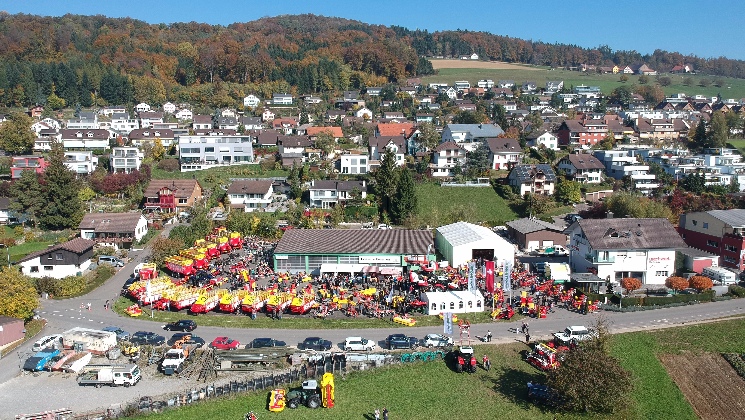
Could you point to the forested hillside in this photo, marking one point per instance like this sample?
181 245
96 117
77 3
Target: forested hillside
81 59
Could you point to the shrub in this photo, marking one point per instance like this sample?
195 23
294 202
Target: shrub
71 286
169 165
676 283
737 361
104 250
700 283
735 290
630 284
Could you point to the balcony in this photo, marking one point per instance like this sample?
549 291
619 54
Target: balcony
598 259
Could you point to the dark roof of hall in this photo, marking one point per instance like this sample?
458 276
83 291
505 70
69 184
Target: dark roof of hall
354 241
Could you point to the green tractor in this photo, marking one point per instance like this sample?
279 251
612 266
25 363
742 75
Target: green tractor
309 395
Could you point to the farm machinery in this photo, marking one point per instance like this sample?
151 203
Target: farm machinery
463 359
310 394
543 357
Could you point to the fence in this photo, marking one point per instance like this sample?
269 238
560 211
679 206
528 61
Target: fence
315 366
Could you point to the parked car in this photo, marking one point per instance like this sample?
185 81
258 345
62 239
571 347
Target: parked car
437 340
401 341
120 333
46 341
187 338
316 343
147 337
185 325
384 226
358 344
575 332
258 343
108 259
225 343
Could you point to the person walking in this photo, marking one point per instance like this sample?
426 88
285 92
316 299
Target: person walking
527 338
377 414
106 305
89 306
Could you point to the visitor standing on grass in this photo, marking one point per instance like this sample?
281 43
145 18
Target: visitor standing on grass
377 414
385 413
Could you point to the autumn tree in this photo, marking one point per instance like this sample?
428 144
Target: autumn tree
630 284
428 137
568 192
163 248
676 283
18 297
700 283
16 136
590 378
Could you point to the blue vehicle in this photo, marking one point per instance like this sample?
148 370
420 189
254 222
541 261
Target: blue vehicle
37 362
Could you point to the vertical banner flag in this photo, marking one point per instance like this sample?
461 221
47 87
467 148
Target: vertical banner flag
447 319
472 276
490 276
507 276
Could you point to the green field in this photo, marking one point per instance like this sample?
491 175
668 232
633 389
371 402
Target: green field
738 144
209 178
443 205
19 251
732 88
429 390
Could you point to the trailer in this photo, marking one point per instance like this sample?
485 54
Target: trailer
94 341
720 275
112 375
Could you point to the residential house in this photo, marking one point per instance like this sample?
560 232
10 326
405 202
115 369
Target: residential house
82 163
294 145
466 106
250 195
506 84
202 122
553 86
123 124
364 113
394 115
312 100
327 194
267 139
485 83
449 91
334 132
582 167
70 258
405 130
542 138
170 195
35 111
251 101
335 114
374 91
534 179
470 135
377 148
282 99
27 163
627 70
445 158
117 230
202 152
644 69
267 115
422 117
529 87
142 107
43 141
720 232
227 123
531 234
682 68
251 123
185 114
619 164
143 136
462 85
84 121
125 159
4 210
504 153
148 119
354 163
614 249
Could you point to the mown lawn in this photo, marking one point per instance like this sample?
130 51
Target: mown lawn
442 205
19 251
732 88
738 144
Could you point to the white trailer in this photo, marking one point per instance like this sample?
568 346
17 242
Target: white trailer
720 275
95 341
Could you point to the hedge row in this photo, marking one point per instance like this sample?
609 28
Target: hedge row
736 291
737 361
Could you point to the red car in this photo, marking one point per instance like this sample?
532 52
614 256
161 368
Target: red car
225 343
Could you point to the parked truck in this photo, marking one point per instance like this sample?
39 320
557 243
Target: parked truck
112 375
175 359
552 251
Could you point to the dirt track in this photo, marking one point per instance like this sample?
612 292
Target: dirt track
709 383
475 64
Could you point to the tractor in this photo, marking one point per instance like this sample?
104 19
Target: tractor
463 359
309 395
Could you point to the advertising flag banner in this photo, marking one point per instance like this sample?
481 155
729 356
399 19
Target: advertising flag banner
472 277
490 276
507 277
447 319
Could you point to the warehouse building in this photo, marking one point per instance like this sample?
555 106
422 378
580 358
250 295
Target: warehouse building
350 251
461 242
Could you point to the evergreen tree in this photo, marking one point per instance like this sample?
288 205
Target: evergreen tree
500 116
62 207
28 195
16 136
477 161
386 181
405 203
718 130
699 137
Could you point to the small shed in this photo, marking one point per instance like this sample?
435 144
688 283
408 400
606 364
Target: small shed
11 330
531 234
696 260
461 242
458 302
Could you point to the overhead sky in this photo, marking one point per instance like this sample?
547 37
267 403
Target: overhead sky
703 28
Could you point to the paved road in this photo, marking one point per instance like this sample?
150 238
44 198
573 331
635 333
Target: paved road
65 314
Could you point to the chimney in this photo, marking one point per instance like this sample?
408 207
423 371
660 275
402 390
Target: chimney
609 215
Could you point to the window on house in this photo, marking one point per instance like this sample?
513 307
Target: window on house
711 243
706 225
48 268
695 222
58 256
35 269
730 248
452 305
182 200
661 274
730 260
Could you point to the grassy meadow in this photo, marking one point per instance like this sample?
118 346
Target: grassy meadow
443 205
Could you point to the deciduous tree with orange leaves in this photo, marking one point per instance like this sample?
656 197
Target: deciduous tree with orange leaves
700 283
676 283
630 284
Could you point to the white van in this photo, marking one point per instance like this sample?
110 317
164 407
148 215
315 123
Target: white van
116 262
45 342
